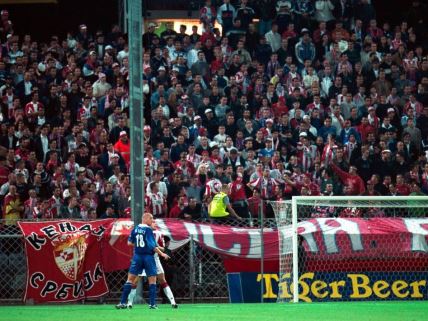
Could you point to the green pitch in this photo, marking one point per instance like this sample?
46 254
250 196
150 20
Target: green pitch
349 311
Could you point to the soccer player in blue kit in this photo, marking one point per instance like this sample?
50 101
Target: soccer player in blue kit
145 246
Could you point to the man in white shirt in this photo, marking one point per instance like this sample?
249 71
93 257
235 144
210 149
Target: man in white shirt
192 55
220 138
161 185
273 38
28 85
177 52
123 53
44 141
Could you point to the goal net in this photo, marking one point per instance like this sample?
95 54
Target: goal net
352 248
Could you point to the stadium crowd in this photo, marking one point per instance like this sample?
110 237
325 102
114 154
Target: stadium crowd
275 98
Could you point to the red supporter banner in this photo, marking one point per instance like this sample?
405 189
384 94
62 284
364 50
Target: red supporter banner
342 244
64 261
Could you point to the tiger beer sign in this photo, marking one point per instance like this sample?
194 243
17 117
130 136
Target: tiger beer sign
329 286
63 260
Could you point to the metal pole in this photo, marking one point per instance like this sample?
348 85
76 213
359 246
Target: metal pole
125 15
134 15
295 251
262 253
120 14
192 269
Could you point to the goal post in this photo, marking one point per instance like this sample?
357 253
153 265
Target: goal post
344 248
295 268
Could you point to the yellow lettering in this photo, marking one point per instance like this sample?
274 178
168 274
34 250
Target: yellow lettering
416 290
366 291
361 287
303 295
268 285
398 286
316 287
335 293
283 287
379 286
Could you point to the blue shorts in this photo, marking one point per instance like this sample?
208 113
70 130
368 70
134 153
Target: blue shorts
143 262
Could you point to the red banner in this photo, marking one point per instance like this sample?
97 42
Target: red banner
379 244
64 260
67 259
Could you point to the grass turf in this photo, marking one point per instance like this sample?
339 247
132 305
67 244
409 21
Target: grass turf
333 311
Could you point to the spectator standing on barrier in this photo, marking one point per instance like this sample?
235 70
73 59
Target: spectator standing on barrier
238 196
254 204
220 208
212 186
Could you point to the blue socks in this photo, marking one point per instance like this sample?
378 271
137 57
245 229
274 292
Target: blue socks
152 291
127 289
125 292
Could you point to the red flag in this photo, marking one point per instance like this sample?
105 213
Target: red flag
64 260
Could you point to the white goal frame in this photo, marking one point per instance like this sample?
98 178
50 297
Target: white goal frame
304 199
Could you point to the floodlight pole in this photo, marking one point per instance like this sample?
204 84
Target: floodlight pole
136 106
262 251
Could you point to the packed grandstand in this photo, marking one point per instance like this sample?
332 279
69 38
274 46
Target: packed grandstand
275 98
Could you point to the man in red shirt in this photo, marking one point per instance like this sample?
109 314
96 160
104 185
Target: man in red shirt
178 208
254 204
279 108
365 128
401 186
43 211
311 186
237 196
123 147
185 167
351 180
4 171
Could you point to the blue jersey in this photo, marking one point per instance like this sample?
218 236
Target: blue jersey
143 239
